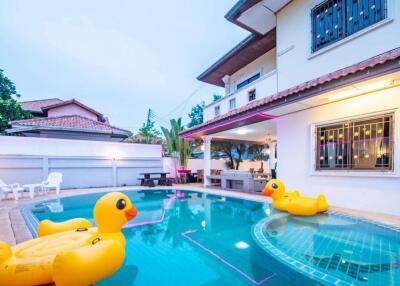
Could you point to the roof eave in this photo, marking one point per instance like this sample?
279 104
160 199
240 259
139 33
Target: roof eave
22 128
235 12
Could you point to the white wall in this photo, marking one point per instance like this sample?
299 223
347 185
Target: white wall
266 85
14 145
295 165
294 31
263 65
83 163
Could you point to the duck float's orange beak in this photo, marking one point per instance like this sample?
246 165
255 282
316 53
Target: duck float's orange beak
267 191
131 213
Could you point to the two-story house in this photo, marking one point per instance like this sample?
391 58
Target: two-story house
70 119
319 79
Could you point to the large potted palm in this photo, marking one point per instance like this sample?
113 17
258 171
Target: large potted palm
178 149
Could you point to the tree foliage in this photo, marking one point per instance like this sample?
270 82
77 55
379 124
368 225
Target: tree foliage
10 109
216 97
196 115
234 152
257 152
7 87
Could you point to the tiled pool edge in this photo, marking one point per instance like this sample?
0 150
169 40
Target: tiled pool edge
313 273
18 229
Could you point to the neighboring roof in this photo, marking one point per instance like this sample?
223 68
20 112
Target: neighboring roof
71 123
300 89
72 101
241 55
37 105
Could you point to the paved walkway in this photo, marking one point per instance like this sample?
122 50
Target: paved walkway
14 230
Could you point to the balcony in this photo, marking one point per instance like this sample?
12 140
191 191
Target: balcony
265 86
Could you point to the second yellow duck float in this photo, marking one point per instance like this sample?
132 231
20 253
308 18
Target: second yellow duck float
71 253
292 202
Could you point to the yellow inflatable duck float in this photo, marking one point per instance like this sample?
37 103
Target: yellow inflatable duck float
293 203
71 253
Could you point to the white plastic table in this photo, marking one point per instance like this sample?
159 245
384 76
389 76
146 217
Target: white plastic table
31 188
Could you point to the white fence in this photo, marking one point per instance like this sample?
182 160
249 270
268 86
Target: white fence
83 163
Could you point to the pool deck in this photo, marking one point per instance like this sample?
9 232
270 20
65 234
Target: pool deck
13 228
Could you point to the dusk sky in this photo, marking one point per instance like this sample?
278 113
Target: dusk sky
118 57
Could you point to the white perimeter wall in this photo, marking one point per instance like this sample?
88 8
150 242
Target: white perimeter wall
83 163
295 165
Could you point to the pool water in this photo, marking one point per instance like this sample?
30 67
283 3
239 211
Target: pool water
190 238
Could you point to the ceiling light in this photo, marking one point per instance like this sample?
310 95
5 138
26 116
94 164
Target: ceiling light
242 131
359 89
241 245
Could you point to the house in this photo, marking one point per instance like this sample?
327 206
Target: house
71 119
320 81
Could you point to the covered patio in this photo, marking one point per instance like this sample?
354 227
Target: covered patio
252 129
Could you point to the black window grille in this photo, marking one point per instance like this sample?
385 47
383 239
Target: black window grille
217 110
248 81
252 95
364 144
333 20
232 103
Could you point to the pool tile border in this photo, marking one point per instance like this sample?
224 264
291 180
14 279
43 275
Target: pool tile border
311 272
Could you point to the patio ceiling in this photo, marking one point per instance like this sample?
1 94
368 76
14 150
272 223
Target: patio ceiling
257 133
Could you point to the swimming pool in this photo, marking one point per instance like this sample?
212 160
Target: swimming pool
191 238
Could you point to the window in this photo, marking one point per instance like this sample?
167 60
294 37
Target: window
364 144
252 95
248 81
333 20
217 110
232 103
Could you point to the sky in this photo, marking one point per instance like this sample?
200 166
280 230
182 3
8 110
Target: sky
118 57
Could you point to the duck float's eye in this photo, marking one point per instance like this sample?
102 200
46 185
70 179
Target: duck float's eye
121 204
275 186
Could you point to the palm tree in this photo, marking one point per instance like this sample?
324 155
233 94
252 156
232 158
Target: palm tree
177 148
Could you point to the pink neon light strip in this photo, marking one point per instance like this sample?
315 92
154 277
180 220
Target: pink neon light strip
259 114
186 235
166 207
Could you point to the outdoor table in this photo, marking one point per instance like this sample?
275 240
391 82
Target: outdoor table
31 188
148 181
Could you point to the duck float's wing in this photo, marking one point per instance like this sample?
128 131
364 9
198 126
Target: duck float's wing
47 227
89 264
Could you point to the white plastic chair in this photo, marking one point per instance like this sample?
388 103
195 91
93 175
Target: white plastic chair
14 189
53 181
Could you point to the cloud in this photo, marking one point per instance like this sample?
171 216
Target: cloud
114 53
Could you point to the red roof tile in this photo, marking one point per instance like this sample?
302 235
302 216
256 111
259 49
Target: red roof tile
371 62
37 105
70 122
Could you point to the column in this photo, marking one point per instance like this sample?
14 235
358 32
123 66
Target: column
272 159
207 159
226 79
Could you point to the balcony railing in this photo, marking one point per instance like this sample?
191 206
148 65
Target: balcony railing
265 86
